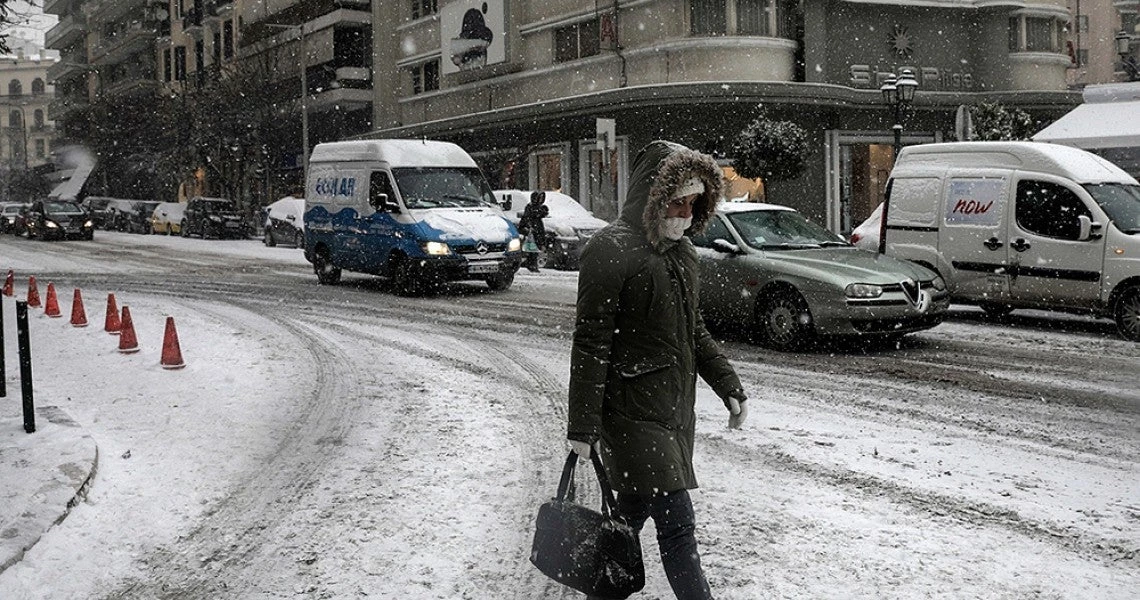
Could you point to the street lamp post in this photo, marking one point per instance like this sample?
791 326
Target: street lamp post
304 94
897 93
1123 48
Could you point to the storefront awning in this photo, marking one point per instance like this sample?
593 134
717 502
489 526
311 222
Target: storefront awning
1105 120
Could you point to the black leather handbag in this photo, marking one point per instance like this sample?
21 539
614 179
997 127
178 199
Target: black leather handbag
590 551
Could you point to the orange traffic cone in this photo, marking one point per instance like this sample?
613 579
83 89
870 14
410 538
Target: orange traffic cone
171 352
33 293
111 324
10 284
51 307
78 315
128 343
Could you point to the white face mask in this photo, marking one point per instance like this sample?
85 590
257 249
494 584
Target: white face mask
674 228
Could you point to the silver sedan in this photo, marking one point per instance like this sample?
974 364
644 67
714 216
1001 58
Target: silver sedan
768 268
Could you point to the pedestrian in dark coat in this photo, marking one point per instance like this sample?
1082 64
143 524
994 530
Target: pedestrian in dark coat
531 226
639 345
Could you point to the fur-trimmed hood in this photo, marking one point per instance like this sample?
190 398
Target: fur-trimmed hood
659 169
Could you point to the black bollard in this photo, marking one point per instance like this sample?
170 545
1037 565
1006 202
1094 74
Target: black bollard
25 347
3 373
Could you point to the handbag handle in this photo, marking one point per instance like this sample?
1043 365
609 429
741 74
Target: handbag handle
608 501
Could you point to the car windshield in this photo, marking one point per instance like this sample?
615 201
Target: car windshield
217 206
1121 202
60 207
438 187
12 210
781 230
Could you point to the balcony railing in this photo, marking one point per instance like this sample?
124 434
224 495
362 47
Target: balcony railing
67 31
137 36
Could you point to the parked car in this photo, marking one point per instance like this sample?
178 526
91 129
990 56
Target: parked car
866 235
58 219
9 214
97 210
768 268
212 217
284 222
167 218
568 226
130 216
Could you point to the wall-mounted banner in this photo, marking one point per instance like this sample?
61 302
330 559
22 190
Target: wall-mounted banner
473 34
975 202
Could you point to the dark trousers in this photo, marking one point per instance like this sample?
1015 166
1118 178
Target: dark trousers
673 516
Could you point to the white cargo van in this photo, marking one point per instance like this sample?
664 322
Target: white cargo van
416 211
1020 225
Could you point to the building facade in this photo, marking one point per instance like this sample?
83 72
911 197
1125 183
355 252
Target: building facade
28 133
1092 43
525 82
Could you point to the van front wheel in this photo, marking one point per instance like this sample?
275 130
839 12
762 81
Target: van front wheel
327 274
1127 313
499 283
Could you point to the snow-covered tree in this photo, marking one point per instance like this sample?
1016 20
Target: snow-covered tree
993 121
770 149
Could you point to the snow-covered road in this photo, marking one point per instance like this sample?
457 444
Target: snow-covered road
345 443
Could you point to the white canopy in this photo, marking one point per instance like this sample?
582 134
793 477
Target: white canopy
1109 118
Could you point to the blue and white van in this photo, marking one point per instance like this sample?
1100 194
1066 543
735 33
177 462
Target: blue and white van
418 212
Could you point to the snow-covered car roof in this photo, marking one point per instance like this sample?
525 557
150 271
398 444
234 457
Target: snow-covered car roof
732 207
285 207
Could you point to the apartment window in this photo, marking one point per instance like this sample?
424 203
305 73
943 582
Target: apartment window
180 63
228 40
14 119
425 77
41 149
577 41
1082 58
167 66
1083 23
217 50
37 86
424 8
15 88
1034 34
38 118
768 18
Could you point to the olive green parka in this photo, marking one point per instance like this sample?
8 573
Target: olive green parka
639 340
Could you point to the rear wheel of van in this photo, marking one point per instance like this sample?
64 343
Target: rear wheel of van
327 274
501 282
784 320
1127 313
995 309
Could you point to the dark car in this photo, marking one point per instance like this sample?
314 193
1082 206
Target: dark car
12 218
130 216
213 218
284 222
97 208
58 219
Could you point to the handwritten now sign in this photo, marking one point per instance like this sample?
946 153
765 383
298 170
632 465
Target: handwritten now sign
975 201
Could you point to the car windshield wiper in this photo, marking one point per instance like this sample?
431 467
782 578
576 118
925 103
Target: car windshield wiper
464 197
833 244
789 246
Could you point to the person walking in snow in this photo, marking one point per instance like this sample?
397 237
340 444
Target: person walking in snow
639 345
533 229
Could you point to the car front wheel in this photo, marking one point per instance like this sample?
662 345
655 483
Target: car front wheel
996 309
1127 313
784 320
269 239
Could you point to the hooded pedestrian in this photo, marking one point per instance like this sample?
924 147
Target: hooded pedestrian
639 345
533 229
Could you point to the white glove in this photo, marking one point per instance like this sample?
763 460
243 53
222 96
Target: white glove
582 449
738 412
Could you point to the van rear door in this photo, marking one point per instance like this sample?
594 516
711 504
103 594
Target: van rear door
1051 265
973 236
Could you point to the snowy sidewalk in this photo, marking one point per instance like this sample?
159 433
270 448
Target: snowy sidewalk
42 474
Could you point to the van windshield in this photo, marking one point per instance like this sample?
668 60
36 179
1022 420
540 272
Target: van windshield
439 187
1121 202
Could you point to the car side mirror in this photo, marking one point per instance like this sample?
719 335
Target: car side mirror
291 218
1089 230
725 246
506 203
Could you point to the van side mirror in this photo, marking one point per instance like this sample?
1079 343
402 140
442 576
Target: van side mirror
1089 230
506 202
385 203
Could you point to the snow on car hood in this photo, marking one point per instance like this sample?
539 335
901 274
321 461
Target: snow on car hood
473 224
858 265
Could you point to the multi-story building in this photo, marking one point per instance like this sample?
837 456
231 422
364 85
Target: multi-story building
26 127
525 81
1092 40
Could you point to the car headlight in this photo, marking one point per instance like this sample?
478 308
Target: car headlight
50 224
437 248
88 224
514 245
939 283
863 290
